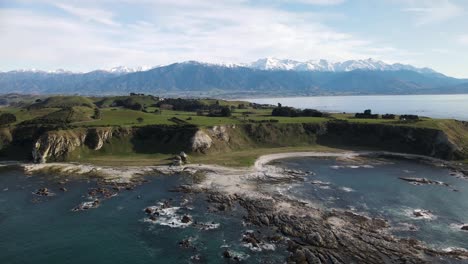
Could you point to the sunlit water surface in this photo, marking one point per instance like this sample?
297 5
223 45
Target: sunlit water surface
437 106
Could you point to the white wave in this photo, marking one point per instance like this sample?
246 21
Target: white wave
260 247
167 216
419 214
450 249
347 189
458 227
208 225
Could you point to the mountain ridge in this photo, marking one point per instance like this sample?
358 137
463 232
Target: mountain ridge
269 63
195 79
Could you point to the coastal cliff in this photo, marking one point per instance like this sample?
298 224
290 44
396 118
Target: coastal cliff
48 145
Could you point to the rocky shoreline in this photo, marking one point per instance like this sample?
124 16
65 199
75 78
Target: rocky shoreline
312 234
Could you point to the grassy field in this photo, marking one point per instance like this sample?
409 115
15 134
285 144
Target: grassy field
119 116
57 108
241 158
160 144
63 101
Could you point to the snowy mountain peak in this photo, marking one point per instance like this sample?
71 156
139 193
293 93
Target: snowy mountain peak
325 65
271 64
125 69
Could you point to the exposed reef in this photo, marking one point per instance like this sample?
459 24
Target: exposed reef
313 234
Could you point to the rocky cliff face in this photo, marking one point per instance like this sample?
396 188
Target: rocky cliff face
96 137
424 141
57 145
201 142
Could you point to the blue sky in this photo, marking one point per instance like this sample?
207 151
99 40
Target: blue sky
85 35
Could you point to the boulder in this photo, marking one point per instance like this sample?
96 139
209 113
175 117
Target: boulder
186 219
183 156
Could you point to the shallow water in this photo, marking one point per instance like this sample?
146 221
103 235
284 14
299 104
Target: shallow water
374 188
47 231
437 106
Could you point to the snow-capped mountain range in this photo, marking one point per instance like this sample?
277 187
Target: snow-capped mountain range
272 64
259 78
329 66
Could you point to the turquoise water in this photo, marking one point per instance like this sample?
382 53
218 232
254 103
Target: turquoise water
36 229
47 231
437 106
376 190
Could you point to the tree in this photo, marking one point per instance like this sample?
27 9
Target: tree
245 115
140 120
137 106
225 111
7 118
97 113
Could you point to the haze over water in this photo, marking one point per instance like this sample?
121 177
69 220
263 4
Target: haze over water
438 106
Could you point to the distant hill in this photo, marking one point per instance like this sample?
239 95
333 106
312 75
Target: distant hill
201 79
63 102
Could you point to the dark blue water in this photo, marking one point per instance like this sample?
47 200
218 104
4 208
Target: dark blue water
44 229
437 106
376 190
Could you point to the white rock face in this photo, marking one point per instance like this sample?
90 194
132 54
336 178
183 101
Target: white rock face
201 142
220 132
54 145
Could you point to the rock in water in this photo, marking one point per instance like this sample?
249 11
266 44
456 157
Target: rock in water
186 219
43 192
227 254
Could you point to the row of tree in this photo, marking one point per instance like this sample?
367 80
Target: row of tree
294 112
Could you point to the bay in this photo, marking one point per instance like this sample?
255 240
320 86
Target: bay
454 106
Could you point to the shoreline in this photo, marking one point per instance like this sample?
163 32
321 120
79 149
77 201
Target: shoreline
231 175
226 187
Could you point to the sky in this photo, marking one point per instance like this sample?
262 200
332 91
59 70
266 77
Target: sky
85 35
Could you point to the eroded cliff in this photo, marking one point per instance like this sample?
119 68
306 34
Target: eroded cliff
70 144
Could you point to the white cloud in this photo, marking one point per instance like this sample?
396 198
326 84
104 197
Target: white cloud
319 2
89 14
463 39
433 11
172 31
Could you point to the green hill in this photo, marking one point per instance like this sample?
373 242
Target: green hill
128 101
65 116
63 102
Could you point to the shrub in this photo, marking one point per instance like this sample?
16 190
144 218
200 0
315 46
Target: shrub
97 113
7 118
367 114
409 117
388 116
293 112
225 111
